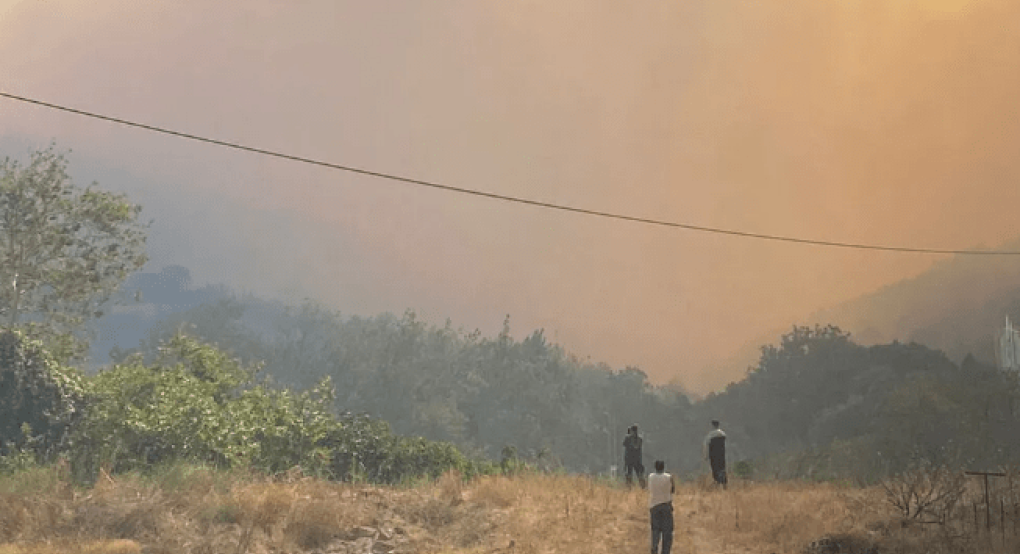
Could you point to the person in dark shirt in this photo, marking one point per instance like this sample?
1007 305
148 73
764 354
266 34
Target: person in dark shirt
632 456
714 450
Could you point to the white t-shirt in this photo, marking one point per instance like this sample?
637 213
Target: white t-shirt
713 434
660 489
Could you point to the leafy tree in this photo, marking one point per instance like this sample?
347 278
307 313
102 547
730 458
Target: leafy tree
807 373
175 409
63 250
39 399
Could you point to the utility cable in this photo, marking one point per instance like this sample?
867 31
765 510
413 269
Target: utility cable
515 199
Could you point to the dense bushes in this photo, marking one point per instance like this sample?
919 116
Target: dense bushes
39 399
480 393
816 399
366 448
197 404
818 404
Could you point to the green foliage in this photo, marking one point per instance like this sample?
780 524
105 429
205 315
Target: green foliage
21 474
447 385
743 469
819 406
816 405
509 463
63 250
23 456
39 398
367 448
196 403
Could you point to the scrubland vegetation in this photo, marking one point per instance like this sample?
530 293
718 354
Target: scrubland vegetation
815 405
309 431
184 508
195 404
191 449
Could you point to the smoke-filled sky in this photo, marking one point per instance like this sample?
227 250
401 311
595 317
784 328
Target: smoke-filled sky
874 121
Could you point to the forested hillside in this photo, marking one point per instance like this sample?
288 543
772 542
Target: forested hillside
815 404
838 408
483 393
956 306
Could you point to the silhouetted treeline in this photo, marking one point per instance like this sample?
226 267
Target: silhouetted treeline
482 393
836 408
816 404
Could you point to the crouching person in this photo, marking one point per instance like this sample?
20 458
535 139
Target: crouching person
660 503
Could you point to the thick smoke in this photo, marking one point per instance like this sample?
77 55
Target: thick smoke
889 122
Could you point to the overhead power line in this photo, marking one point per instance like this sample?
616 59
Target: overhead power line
515 199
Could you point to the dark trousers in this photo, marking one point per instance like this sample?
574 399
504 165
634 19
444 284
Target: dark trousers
718 470
662 527
637 468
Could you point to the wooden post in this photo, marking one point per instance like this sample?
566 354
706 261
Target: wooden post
1002 520
1010 499
977 528
988 508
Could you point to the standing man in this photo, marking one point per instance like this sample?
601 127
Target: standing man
632 456
714 450
660 505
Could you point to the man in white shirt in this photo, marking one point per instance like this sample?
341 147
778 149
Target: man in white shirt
660 505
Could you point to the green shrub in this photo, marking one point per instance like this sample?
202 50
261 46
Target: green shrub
199 405
743 469
39 399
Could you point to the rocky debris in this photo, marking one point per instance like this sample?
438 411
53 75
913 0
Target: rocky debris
364 532
368 540
841 544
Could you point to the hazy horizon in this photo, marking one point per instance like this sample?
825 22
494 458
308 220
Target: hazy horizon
884 122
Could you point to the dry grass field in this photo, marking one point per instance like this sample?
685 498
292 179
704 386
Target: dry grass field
195 510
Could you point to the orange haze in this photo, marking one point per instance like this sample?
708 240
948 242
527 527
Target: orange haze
890 122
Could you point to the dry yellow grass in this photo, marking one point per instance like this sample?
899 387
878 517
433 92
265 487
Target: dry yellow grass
194 510
119 546
570 514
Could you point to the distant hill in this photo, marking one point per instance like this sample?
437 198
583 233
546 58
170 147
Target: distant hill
957 306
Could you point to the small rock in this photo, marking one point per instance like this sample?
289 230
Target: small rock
842 544
363 531
383 547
